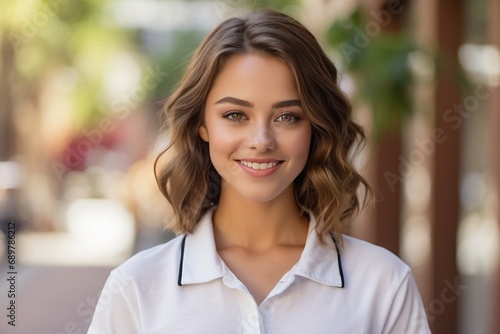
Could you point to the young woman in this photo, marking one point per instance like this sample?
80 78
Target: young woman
260 180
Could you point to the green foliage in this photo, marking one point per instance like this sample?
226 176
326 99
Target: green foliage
46 37
379 63
175 59
281 5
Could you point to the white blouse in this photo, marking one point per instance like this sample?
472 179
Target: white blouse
183 286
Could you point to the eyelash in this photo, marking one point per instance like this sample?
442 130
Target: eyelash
295 119
231 114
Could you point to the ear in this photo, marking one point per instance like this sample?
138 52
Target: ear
202 131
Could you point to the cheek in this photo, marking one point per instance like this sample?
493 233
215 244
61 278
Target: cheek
222 139
298 144
218 134
222 145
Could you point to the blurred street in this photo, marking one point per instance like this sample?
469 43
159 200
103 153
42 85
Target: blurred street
58 282
53 299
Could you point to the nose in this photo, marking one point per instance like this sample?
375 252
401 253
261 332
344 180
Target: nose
262 139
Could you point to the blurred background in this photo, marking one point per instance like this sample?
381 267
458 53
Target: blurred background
81 89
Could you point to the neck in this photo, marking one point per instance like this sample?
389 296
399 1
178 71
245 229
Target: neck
259 226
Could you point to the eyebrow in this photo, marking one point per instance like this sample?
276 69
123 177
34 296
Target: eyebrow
234 100
289 103
243 103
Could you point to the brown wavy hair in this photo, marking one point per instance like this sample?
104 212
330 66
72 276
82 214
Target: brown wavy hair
327 187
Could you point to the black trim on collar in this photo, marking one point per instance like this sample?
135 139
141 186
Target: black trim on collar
340 262
183 245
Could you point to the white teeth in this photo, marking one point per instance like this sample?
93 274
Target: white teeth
255 165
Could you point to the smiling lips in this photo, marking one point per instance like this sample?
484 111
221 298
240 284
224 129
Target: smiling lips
259 166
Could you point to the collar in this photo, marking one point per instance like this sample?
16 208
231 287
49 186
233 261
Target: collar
200 262
318 262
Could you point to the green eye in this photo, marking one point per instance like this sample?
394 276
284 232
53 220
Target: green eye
288 118
235 116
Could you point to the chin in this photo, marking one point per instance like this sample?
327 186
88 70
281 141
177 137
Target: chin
259 194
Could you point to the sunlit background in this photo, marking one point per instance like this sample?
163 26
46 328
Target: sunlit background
81 89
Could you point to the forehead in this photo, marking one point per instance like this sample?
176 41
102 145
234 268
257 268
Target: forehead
252 76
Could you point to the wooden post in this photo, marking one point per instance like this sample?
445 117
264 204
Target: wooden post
387 227
381 224
445 171
388 199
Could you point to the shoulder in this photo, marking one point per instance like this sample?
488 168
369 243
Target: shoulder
354 247
383 286
362 258
157 261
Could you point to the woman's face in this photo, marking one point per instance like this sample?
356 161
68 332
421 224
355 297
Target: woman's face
257 131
